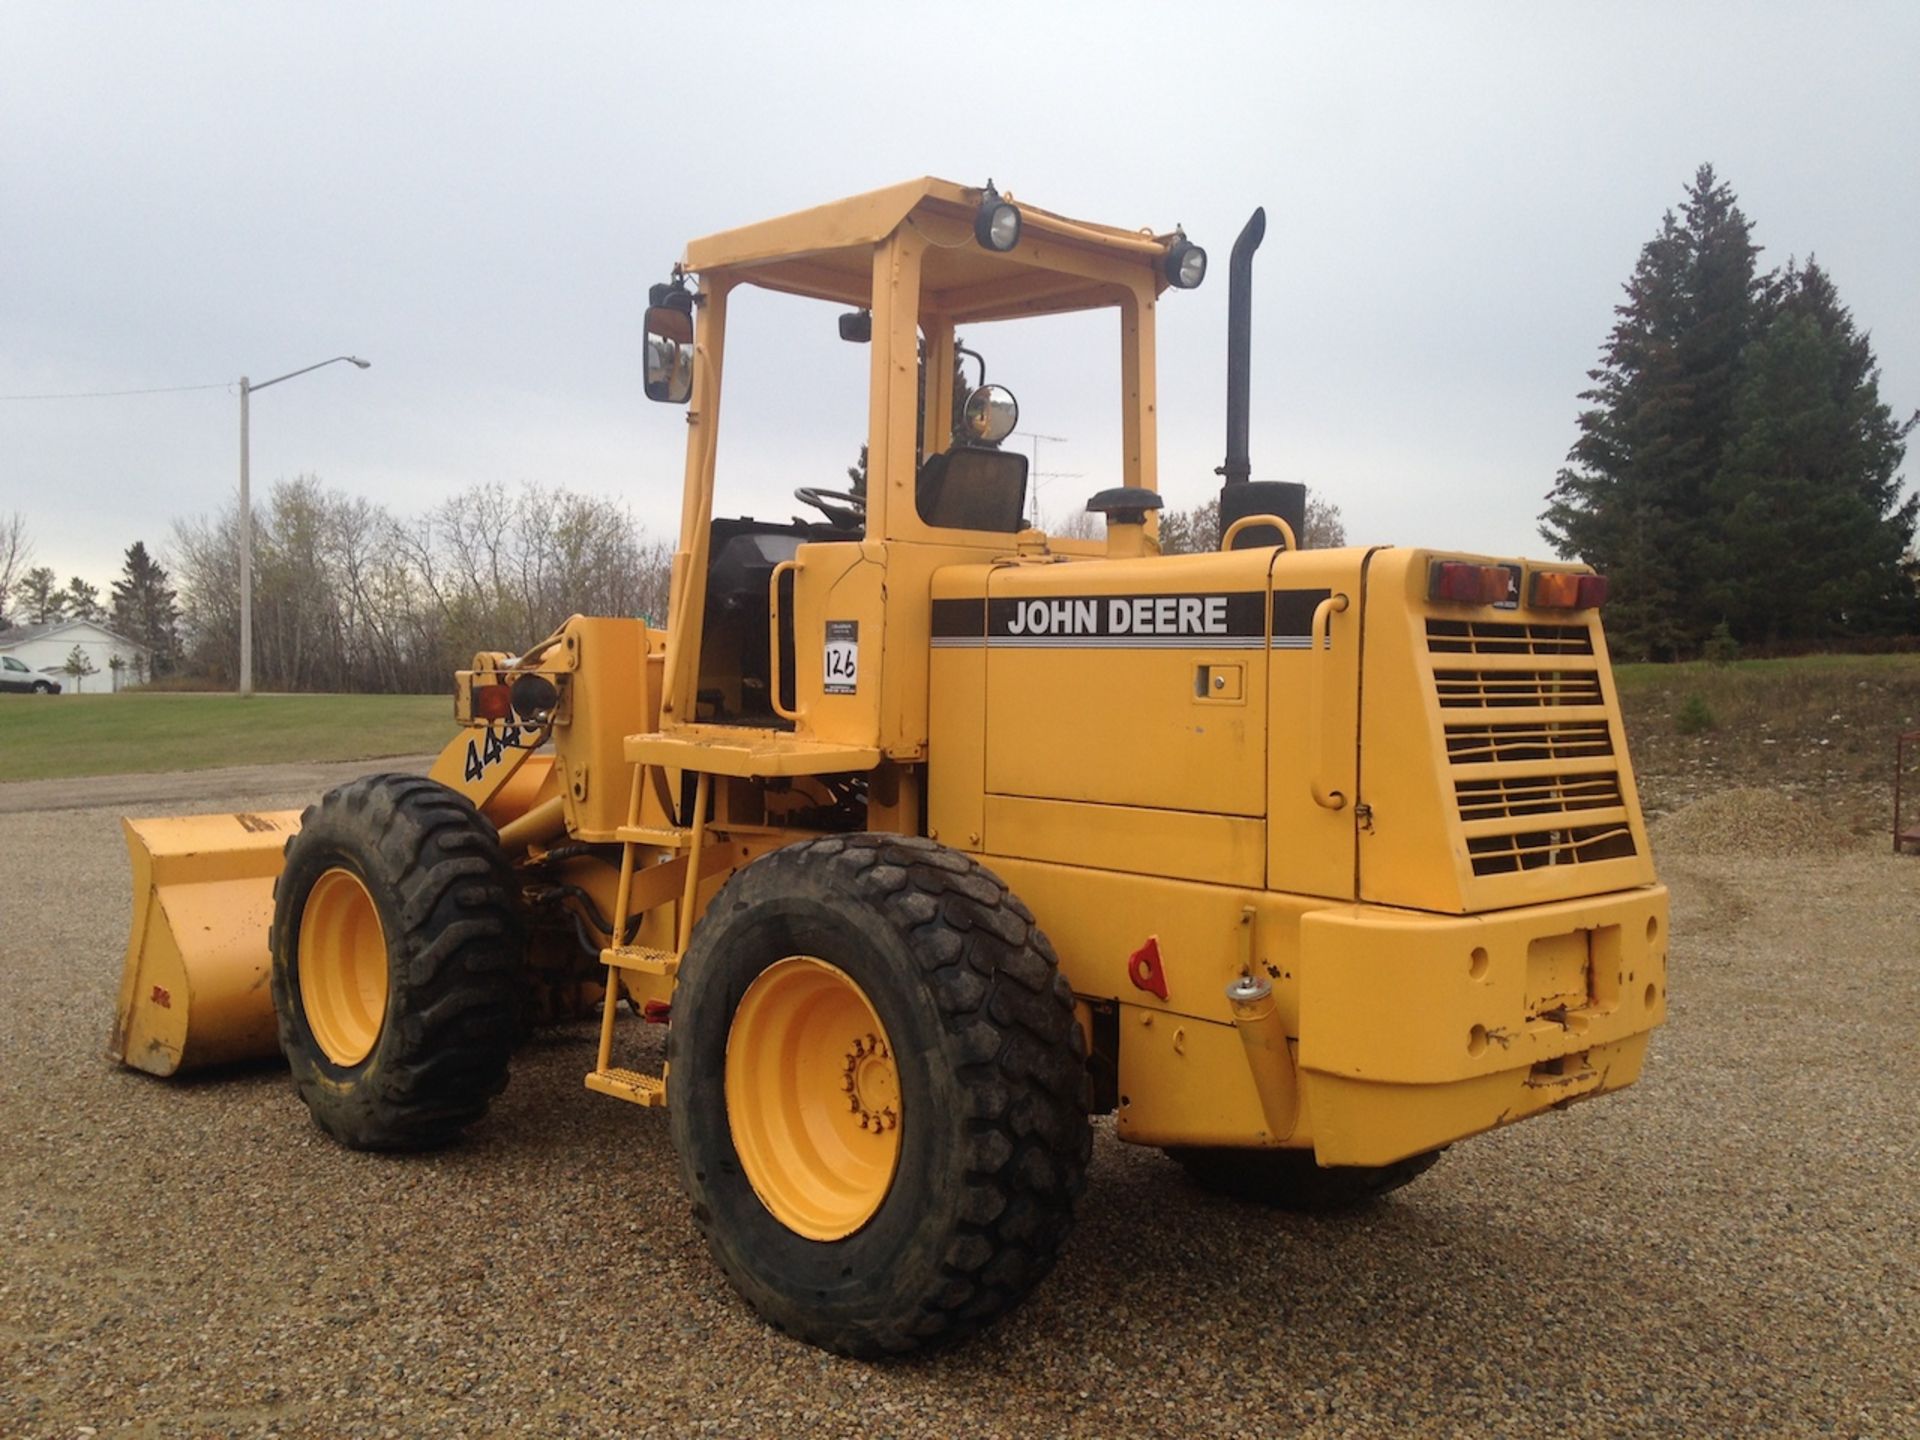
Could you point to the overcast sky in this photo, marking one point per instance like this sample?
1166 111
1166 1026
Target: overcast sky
475 198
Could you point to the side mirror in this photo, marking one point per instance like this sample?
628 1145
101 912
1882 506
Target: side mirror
669 334
990 415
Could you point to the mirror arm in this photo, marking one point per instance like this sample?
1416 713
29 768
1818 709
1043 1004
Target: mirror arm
959 349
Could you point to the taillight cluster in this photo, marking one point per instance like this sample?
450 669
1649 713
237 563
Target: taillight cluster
1469 584
532 698
1564 590
1465 582
492 702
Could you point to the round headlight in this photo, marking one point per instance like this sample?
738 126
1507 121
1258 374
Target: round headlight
1186 265
997 225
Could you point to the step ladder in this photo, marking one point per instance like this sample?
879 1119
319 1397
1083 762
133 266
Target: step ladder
642 960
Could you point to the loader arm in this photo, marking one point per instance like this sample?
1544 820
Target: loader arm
194 988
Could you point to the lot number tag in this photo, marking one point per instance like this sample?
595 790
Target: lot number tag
842 667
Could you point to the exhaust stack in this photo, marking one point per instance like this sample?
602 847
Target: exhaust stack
1240 495
1238 468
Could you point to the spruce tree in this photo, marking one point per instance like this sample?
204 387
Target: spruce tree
1811 528
1632 499
144 608
1737 467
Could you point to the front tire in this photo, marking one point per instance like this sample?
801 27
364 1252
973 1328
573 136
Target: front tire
398 963
905 1193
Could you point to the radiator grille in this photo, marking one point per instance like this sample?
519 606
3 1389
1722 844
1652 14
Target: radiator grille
1500 797
1516 689
1546 740
1487 637
1536 775
1530 849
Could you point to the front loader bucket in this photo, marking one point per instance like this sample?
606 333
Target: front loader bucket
196 987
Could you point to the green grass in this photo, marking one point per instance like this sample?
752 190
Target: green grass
1631 678
48 739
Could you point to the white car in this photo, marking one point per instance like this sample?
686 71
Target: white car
17 677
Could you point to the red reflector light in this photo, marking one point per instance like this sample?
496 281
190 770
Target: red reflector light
492 702
1593 591
1469 584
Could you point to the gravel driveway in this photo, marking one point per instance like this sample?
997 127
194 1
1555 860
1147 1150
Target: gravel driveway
1732 1247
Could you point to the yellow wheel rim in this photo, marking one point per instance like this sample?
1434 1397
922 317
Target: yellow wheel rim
813 1098
343 967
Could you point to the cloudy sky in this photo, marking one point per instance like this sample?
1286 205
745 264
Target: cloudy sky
475 197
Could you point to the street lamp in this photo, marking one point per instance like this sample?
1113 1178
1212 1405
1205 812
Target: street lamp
246 515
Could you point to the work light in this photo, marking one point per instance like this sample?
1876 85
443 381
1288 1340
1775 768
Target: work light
1186 264
997 223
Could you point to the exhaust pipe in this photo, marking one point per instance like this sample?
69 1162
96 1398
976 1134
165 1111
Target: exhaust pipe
1240 495
1239 468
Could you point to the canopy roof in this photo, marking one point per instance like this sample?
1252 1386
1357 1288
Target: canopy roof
827 253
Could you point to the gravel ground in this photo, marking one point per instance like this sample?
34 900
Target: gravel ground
1732 1247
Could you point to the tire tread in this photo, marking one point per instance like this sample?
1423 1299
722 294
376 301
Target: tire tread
457 1003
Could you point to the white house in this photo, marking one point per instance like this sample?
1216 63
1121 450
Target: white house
44 649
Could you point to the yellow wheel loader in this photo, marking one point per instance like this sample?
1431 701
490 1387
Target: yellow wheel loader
930 835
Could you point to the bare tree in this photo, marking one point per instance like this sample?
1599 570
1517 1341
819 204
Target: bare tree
346 597
1076 525
16 553
1324 529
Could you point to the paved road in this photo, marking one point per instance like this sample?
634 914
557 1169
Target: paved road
1731 1248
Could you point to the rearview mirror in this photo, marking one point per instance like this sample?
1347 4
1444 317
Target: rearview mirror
669 334
990 414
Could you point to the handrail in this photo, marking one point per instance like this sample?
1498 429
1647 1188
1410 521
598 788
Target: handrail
1247 522
773 643
1320 637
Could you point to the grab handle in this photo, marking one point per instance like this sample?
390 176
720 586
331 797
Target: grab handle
773 641
1320 637
1247 522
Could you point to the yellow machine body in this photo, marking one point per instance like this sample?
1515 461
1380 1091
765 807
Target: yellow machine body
1329 863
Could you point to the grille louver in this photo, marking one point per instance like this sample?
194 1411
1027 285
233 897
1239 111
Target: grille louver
1481 637
1531 753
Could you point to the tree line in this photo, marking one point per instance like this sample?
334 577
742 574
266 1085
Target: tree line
348 596
1737 474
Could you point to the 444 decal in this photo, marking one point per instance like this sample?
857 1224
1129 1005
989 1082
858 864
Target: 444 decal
483 753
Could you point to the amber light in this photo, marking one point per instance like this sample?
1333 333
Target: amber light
1565 590
492 702
1469 584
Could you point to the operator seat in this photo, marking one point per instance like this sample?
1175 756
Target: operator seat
971 487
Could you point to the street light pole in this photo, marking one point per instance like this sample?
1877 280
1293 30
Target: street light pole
246 512
246 552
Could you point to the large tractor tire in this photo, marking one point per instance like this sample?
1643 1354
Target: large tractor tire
1290 1180
398 963
879 1093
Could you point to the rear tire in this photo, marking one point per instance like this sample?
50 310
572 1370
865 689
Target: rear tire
980 1119
41 687
399 1017
1290 1180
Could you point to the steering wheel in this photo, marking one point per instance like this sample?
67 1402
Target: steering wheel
841 507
